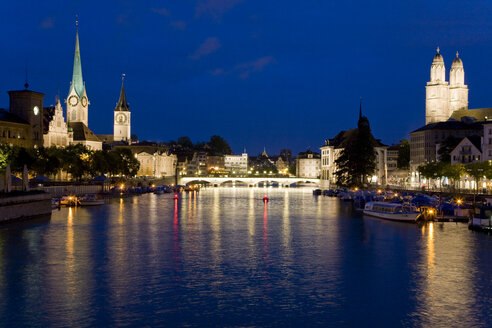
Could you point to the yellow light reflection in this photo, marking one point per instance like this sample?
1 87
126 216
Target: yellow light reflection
430 249
251 214
286 220
120 213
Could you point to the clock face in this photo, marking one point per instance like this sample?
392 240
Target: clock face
121 118
84 101
36 110
73 100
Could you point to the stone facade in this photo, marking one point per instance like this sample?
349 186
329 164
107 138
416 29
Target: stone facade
58 134
28 106
159 165
236 163
443 98
308 164
14 131
487 142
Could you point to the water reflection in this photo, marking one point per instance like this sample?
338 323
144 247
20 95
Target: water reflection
445 292
223 257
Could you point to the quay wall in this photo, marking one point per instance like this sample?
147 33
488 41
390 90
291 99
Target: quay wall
77 190
23 207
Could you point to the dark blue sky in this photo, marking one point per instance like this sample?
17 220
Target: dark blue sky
280 74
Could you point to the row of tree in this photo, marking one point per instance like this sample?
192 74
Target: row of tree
77 160
454 172
215 146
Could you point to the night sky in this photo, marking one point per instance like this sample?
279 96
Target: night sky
280 74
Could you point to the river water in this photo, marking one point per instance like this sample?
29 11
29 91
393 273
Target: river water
220 257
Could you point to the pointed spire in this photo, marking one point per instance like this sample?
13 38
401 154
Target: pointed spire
26 85
122 104
77 80
360 108
457 54
438 49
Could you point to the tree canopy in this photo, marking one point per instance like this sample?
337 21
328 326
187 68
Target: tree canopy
447 147
403 161
357 159
77 160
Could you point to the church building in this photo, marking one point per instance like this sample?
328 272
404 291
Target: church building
78 105
121 130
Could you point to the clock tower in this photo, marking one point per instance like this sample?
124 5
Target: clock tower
122 117
77 102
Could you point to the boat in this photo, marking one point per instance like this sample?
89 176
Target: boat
481 219
55 203
392 211
90 200
68 201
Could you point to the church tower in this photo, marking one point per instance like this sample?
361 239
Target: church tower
77 102
458 91
121 130
437 92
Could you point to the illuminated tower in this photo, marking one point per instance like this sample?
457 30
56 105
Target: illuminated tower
77 102
458 91
121 130
437 92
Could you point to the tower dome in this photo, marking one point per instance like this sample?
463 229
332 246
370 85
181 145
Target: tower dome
457 72
457 62
438 70
438 58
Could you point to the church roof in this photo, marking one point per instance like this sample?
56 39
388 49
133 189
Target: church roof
451 125
305 154
82 133
7 116
476 141
77 82
122 104
481 114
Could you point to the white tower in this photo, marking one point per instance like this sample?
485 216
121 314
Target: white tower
121 130
458 91
437 92
77 102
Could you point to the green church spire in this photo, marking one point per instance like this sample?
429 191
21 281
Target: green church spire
77 81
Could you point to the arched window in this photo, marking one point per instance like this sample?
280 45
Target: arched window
74 115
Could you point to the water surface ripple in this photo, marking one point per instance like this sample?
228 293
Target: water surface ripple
220 257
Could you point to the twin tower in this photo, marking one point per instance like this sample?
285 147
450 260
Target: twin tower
443 98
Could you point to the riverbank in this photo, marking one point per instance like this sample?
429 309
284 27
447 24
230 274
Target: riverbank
24 205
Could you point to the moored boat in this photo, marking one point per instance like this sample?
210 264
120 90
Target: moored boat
481 219
90 200
392 211
68 201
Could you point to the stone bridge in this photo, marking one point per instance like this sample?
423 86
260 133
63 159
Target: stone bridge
249 181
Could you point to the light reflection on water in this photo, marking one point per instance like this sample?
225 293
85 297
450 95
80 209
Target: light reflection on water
224 257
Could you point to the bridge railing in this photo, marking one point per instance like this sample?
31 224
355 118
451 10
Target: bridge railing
269 176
